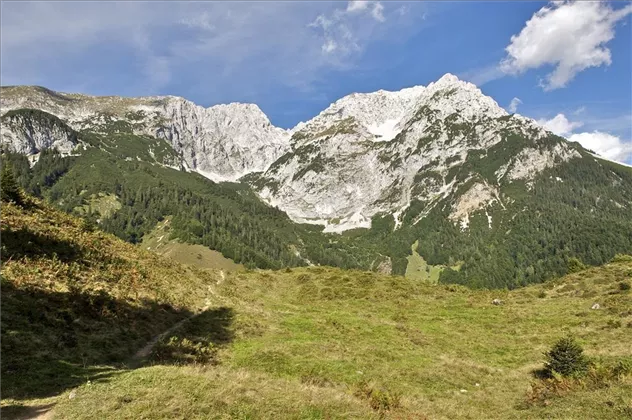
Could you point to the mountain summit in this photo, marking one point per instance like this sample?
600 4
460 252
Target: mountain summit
380 152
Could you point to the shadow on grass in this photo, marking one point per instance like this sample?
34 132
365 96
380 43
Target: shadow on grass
52 341
24 412
196 340
541 373
20 243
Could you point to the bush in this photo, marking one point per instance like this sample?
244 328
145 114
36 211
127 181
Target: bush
575 265
624 286
87 225
598 376
566 358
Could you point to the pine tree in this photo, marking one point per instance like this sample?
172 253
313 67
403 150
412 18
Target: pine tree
566 358
9 187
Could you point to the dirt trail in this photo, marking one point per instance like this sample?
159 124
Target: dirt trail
146 350
46 413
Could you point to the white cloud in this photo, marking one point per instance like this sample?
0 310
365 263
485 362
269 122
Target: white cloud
202 21
329 46
579 110
560 125
361 5
341 27
604 144
570 35
378 12
513 105
358 5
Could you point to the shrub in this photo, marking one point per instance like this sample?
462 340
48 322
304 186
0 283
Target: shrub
624 286
566 358
622 368
575 265
597 376
87 225
541 392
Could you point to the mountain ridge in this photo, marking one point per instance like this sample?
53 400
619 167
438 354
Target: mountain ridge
460 176
226 142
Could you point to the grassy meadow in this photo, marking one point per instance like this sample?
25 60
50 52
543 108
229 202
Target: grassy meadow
315 342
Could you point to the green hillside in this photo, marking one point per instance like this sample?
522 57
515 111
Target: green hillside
314 342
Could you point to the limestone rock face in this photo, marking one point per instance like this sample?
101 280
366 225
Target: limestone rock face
377 152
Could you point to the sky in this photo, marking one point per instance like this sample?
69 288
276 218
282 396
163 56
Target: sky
566 64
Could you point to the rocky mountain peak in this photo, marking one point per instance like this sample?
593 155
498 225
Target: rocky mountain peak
365 154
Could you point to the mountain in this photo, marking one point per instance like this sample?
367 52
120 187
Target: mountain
434 181
380 152
223 142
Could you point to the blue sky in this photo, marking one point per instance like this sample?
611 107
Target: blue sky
568 64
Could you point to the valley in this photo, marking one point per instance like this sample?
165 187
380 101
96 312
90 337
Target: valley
171 261
316 210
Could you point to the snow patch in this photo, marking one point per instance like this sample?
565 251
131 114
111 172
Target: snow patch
386 131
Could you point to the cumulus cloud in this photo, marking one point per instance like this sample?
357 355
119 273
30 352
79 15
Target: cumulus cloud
570 35
560 125
513 105
604 144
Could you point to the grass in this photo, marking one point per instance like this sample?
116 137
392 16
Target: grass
102 203
418 269
159 241
373 341
312 342
206 393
